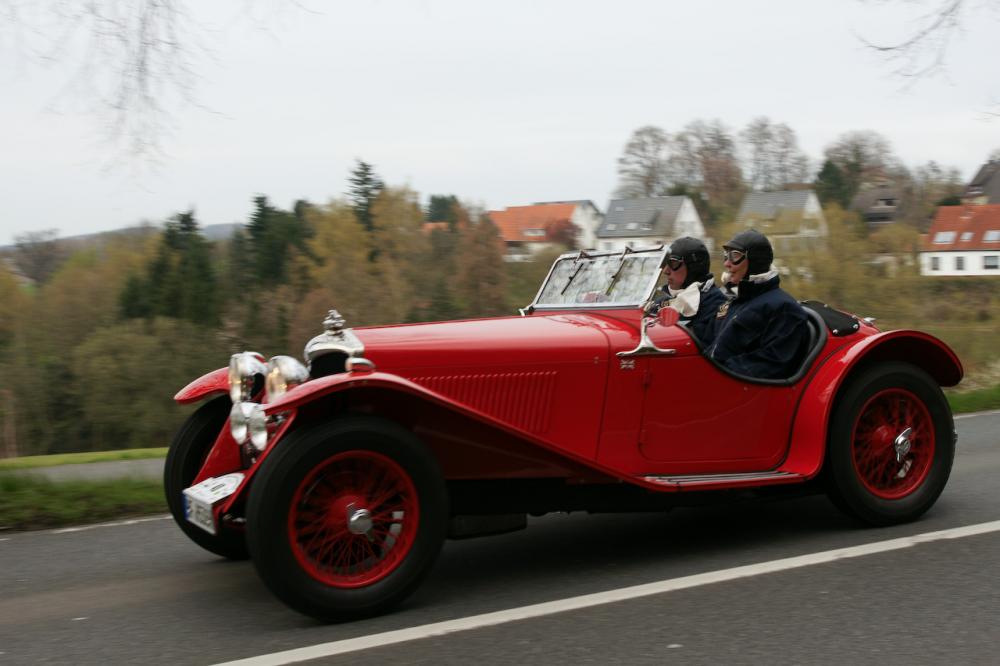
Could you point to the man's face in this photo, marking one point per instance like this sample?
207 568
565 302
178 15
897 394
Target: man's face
675 276
736 263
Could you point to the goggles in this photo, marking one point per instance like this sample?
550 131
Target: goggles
735 257
675 263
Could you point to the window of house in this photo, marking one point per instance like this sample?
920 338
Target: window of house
935 263
535 233
611 227
944 237
886 202
991 262
632 225
992 236
620 209
959 263
966 236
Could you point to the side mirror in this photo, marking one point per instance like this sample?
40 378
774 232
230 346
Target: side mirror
668 317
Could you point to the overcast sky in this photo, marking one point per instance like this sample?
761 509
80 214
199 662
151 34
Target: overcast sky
500 103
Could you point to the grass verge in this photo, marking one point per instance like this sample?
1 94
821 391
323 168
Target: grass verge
28 462
975 401
28 502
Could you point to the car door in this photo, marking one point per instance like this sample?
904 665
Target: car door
696 419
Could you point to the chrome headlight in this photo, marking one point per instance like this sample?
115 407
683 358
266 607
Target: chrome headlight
284 372
248 422
239 421
243 368
258 428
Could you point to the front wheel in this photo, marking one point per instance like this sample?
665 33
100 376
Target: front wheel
891 444
185 457
346 518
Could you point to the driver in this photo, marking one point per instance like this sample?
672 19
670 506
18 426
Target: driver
690 287
760 330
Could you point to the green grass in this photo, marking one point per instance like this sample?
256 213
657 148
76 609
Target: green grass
975 401
27 462
28 502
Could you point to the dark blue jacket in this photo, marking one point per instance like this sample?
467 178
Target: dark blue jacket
763 333
702 324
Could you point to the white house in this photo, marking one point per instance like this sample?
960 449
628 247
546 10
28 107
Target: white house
649 221
963 240
791 219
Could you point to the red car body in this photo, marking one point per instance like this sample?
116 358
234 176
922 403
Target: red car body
551 411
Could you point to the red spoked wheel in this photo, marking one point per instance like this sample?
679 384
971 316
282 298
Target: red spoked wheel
890 445
893 443
353 519
346 517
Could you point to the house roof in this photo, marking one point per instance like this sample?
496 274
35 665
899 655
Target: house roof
771 204
775 212
649 216
986 183
958 228
514 221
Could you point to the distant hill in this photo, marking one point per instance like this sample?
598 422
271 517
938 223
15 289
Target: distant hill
213 232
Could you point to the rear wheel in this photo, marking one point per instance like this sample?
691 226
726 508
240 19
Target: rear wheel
185 458
345 519
891 444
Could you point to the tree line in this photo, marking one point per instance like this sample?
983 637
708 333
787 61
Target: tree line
103 334
717 166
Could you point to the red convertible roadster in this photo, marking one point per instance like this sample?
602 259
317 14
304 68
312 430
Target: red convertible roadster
342 476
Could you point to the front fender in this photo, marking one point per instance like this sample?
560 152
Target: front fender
808 439
212 383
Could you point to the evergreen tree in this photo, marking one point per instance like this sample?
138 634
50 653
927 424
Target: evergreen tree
365 188
831 186
443 208
274 237
180 281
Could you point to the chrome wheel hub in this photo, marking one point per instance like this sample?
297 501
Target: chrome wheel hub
902 444
359 521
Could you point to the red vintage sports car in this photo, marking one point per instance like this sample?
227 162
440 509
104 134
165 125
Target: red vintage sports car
343 476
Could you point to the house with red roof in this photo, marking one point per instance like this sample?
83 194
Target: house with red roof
963 240
527 230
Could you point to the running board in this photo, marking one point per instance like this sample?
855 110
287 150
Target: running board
737 480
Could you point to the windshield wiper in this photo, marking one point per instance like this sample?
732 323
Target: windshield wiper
618 272
579 267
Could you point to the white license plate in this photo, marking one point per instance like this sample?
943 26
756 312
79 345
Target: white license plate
200 499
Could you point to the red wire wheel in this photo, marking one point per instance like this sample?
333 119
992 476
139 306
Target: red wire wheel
353 519
886 469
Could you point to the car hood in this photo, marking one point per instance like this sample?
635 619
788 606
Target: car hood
490 343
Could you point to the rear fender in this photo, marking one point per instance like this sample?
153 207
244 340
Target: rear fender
212 383
808 440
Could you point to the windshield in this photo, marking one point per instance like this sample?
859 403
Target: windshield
606 279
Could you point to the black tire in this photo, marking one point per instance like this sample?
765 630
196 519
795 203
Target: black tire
185 457
299 495
862 468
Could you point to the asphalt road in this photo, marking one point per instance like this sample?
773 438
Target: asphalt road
140 592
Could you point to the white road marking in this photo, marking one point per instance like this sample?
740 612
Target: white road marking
117 523
5 539
77 619
601 598
971 415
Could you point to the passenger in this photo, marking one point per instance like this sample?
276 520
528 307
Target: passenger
760 330
690 287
